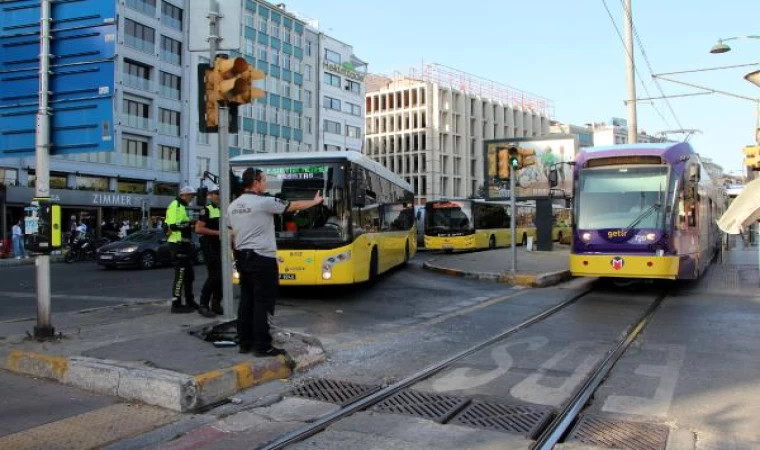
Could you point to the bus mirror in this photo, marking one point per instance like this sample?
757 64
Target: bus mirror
553 178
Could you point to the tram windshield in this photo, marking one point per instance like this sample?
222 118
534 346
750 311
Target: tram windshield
622 197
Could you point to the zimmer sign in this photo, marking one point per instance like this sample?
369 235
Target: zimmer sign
346 69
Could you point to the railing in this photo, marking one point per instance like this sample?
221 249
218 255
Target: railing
168 129
167 166
168 92
171 58
96 157
141 6
137 82
171 22
142 123
132 160
139 44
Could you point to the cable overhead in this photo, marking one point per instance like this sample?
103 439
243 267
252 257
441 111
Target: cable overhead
649 65
635 67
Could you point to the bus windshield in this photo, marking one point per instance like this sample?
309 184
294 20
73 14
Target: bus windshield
622 197
448 218
324 226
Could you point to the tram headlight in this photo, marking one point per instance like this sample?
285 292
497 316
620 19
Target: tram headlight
651 237
586 236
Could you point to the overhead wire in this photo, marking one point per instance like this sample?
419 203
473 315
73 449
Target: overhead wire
635 68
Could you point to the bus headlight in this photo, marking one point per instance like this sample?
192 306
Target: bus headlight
651 237
326 271
328 263
586 236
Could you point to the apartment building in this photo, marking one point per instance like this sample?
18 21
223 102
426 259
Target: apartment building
616 133
429 126
151 128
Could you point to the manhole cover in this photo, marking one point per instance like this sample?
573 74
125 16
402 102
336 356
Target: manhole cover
524 420
439 408
621 435
332 391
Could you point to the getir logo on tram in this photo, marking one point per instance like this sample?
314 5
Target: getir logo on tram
617 234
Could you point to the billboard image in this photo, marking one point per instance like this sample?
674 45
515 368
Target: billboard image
539 156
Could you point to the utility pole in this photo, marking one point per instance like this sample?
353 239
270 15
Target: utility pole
630 69
224 168
44 329
512 221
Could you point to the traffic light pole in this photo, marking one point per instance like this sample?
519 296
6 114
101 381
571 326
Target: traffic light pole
512 221
44 329
224 170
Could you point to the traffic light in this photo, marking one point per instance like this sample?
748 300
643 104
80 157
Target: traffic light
752 157
229 82
492 166
514 158
503 164
527 157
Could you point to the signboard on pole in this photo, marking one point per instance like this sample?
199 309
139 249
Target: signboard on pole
230 35
82 78
552 152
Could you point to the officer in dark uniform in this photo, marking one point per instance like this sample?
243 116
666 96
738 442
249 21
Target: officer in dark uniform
181 244
208 227
251 221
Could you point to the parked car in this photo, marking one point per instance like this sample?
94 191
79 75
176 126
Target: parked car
144 249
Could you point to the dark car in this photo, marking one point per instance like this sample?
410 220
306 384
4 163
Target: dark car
144 249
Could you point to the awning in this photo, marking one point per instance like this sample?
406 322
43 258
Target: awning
744 210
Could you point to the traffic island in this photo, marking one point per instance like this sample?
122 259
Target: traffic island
142 353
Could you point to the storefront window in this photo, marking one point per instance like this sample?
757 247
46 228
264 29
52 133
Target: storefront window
131 187
57 181
85 183
165 188
8 177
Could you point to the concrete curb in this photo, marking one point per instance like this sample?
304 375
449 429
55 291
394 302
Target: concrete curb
13 262
165 388
530 280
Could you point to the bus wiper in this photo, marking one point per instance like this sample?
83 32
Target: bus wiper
644 214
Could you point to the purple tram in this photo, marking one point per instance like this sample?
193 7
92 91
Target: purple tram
644 211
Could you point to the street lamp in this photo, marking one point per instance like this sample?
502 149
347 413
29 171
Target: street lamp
753 77
720 47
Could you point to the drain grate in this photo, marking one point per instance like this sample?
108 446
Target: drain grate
332 391
620 435
439 408
524 420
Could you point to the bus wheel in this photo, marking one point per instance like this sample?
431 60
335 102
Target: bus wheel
525 240
406 253
492 242
373 267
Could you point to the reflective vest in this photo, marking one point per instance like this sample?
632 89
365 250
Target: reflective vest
176 214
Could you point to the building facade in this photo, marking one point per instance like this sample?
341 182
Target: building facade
151 128
429 127
585 134
616 133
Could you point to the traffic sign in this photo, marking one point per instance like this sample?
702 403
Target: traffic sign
82 76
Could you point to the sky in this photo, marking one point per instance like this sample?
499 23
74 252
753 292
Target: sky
568 51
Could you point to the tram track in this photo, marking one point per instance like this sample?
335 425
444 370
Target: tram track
550 434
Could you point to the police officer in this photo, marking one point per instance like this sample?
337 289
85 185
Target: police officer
208 227
251 220
180 241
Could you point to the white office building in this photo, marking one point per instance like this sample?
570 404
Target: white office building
429 126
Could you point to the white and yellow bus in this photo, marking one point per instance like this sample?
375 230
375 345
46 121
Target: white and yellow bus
472 224
561 223
365 226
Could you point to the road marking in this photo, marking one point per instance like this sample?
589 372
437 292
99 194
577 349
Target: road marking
460 378
531 390
100 298
659 404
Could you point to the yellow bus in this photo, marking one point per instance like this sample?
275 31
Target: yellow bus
561 223
472 224
365 226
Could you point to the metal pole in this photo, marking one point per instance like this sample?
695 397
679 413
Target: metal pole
44 329
512 221
224 172
632 125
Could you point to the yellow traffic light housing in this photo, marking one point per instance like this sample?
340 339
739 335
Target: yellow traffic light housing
503 164
492 165
233 81
752 157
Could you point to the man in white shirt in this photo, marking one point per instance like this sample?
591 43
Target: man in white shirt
18 240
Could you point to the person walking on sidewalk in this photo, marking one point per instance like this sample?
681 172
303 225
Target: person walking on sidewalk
180 242
17 237
251 221
208 227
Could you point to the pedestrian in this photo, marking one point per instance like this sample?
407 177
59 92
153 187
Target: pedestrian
251 221
208 227
180 242
17 236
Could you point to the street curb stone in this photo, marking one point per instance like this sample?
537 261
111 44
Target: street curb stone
160 387
531 280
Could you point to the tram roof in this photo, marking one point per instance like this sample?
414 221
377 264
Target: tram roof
307 157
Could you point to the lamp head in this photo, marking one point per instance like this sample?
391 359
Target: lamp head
720 47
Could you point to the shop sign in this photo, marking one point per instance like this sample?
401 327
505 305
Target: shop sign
107 199
346 69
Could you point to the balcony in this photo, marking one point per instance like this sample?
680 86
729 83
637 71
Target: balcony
95 157
139 44
142 7
136 82
171 22
139 122
131 160
164 165
168 92
171 58
167 129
